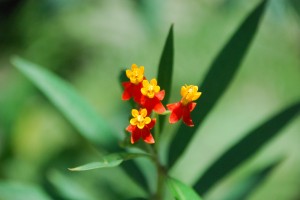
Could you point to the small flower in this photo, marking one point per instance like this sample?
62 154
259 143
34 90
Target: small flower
140 126
133 87
136 75
152 96
183 108
149 89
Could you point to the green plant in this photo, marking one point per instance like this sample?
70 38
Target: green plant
94 128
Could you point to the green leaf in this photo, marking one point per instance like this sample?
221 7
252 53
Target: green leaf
245 148
77 111
66 99
217 80
165 71
67 187
181 191
112 160
19 191
244 188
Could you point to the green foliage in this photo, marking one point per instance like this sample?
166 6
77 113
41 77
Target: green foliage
244 149
165 67
165 70
76 110
218 79
245 187
67 100
18 191
112 160
95 129
181 191
67 188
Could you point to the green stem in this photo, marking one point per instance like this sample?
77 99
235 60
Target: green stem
156 133
160 182
160 169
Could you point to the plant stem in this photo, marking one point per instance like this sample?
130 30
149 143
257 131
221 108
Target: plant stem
160 182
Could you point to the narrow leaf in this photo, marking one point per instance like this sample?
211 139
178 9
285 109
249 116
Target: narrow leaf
245 148
218 78
18 191
181 191
243 189
112 160
89 124
165 71
97 165
66 99
68 188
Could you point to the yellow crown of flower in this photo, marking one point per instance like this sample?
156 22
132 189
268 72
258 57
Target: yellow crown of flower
136 75
189 93
149 89
139 119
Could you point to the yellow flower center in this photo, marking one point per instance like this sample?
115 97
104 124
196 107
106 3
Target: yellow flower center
189 93
149 89
136 75
140 118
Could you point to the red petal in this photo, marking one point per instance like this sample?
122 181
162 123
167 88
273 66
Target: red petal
176 112
149 139
187 116
146 135
132 90
192 105
173 106
126 84
135 135
160 95
151 124
130 128
159 108
126 95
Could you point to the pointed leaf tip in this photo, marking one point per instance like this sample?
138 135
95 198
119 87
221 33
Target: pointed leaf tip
181 191
216 81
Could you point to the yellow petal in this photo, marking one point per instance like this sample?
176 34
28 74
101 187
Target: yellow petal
153 82
133 67
140 125
156 88
195 88
144 91
128 73
142 69
133 121
144 112
134 112
147 120
196 96
145 83
140 78
150 94
183 91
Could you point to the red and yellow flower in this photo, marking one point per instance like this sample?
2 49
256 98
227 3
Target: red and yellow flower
148 97
140 126
185 106
132 88
152 96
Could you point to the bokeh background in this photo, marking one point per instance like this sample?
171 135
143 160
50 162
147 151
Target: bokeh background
88 43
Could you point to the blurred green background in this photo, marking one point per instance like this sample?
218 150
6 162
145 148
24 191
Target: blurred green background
88 42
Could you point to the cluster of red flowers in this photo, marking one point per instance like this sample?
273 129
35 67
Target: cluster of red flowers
149 96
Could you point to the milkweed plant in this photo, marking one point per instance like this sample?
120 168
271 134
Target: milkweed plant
151 110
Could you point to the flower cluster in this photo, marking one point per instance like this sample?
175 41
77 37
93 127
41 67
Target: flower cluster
148 96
